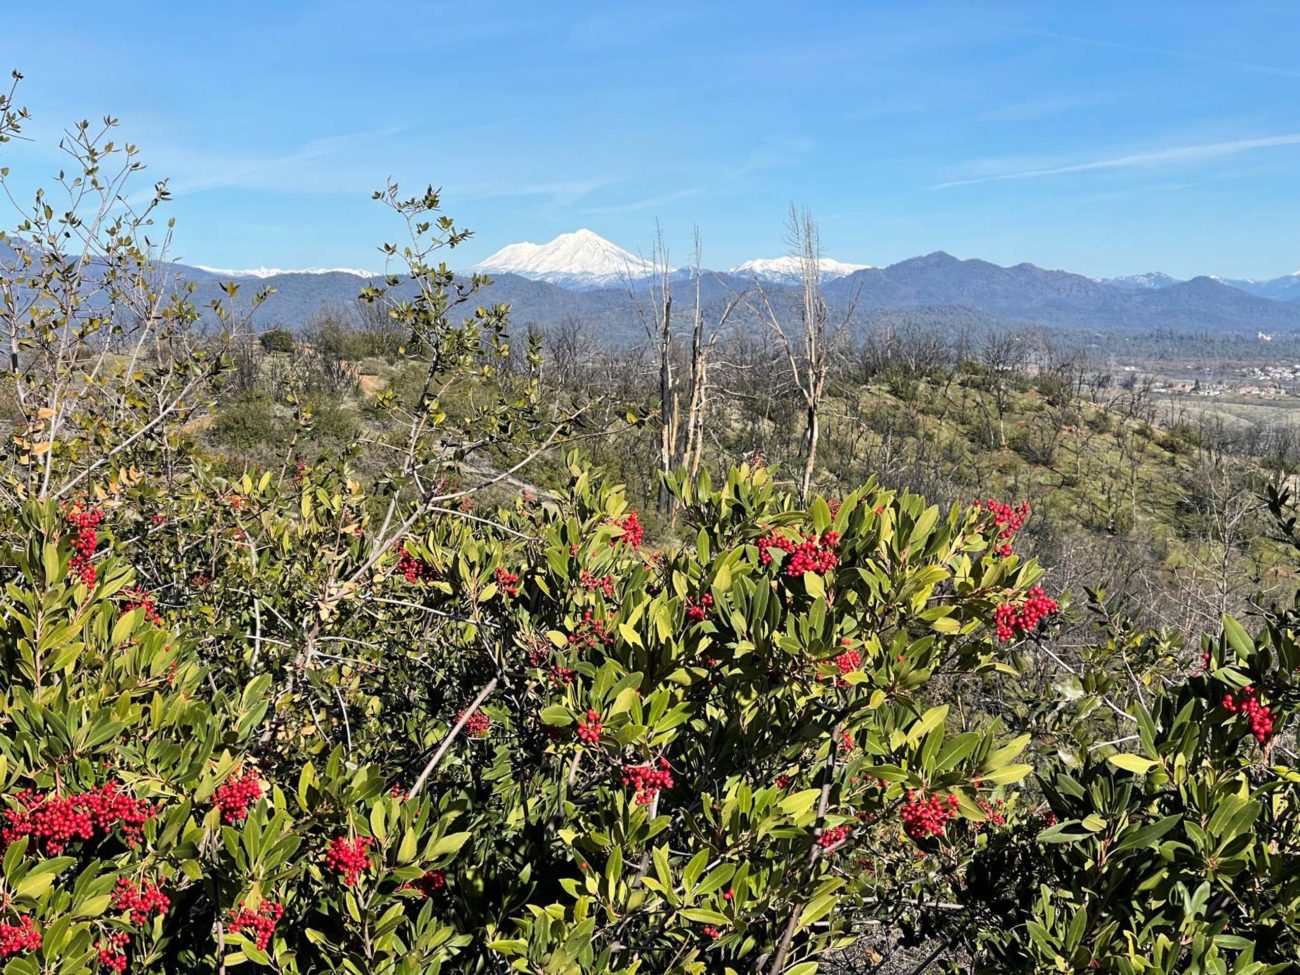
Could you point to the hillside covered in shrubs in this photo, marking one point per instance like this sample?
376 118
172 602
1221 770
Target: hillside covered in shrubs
453 664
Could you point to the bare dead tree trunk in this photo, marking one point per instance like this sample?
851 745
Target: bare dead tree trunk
692 447
808 365
657 321
667 381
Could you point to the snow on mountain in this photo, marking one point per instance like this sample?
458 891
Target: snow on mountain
787 268
1285 288
271 272
1141 282
580 260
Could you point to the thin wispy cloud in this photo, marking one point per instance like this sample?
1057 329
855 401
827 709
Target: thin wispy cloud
1174 156
561 193
650 203
1268 69
191 171
1039 108
772 152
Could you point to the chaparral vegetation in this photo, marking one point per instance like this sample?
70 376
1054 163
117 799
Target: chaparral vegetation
409 683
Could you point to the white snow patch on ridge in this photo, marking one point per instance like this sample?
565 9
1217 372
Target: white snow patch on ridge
270 272
782 268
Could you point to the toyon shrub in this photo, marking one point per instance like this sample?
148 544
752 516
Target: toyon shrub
170 824
587 775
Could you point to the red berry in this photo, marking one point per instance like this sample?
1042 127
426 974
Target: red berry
349 858
234 797
590 728
259 923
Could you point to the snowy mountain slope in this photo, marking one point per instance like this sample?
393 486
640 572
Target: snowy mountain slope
271 272
1141 282
787 268
1285 288
580 260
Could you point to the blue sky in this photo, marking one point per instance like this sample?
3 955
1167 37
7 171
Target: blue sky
1105 138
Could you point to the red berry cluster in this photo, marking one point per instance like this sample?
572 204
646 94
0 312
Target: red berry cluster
646 780
432 884
832 835
415 570
84 521
507 582
993 810
782 781
696 612
846 741
1256 714
1006 519
20 937
349 858
809 553
589 632
54 821
234 797
590 728
141 900
847 662
712 933
633 533
562 676
1012 621
477 724
142 599
924 817
201 581
259 923
591 583
112 952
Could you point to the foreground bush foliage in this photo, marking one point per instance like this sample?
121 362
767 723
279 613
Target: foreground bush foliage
303 721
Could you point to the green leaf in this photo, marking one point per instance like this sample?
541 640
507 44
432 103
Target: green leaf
1132 763
1007 774
448 845
798 803
813 583
702 916
558 715
1238 639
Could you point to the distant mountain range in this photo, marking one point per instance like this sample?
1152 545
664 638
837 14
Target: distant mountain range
1285 288
585 261
581 274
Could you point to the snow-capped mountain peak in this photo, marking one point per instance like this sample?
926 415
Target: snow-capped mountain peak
788 268
581 259
271 272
